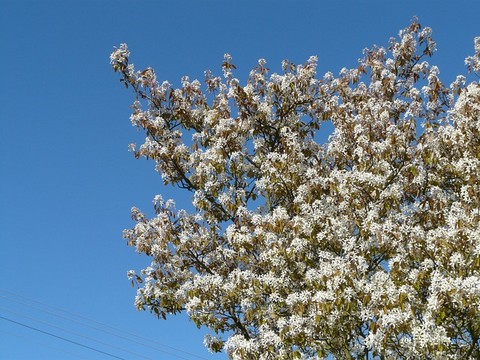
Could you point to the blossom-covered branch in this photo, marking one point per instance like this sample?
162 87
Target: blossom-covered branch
361 243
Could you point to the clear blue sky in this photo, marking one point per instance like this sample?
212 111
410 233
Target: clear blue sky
67 181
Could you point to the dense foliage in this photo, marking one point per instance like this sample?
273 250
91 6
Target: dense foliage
365 245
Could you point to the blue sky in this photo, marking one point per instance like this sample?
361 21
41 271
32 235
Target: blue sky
67 181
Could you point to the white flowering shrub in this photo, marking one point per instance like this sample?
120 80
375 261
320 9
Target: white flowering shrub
362 246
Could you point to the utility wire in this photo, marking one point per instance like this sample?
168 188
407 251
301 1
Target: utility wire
89 326
145 341
62 338
80 335
30 340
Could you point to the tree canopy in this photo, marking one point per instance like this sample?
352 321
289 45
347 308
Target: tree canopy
362 243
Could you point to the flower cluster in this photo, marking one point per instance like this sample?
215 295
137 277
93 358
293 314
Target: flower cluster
365 245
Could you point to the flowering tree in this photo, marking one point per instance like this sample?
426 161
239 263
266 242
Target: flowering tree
365 245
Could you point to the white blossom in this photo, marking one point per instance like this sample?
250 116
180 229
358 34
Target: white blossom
365 246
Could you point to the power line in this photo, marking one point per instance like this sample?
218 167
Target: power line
103 330
77 334
30 340
62 338
145 341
